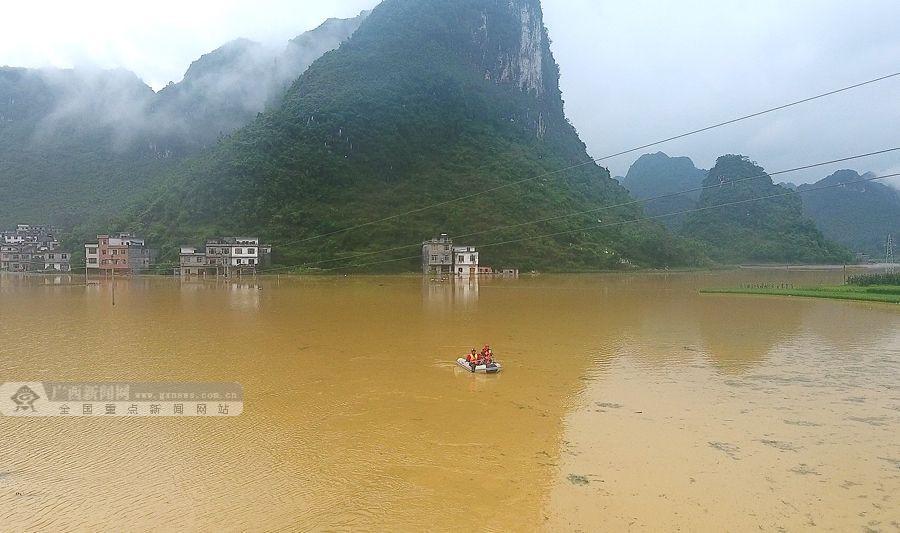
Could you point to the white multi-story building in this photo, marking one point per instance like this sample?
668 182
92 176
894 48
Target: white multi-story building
245 252
92 255
465 261
224 256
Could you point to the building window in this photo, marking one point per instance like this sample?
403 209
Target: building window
251 251
238 251
434 259
461 259
472 258
250 261
65 256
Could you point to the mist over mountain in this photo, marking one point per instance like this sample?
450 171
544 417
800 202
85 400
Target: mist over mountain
77 142
773 230
426 102
654 175
68 145
226 88
857 215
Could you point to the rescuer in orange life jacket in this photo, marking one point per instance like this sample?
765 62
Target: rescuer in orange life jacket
487 356
473 359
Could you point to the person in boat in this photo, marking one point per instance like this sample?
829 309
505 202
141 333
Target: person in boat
487 356
473 359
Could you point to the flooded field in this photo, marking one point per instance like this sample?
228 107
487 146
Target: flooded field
626 402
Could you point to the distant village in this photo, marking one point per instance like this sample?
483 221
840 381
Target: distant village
32 249
36 249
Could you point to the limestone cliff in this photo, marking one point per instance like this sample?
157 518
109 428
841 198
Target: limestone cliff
428 101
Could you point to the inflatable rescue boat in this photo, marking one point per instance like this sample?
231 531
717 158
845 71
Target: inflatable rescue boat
492 368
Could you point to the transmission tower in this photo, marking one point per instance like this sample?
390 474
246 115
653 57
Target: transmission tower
889 253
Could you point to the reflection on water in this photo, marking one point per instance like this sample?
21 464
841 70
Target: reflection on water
740 335
626 400
450 294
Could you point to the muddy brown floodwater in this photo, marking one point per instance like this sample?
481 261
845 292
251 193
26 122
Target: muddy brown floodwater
626 401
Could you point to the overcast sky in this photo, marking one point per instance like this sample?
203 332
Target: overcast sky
632 72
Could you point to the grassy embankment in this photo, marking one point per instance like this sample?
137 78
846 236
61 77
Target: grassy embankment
885 293
869 288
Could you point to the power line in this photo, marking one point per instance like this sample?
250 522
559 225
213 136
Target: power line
698 209
686 191
602 208
596 160
631 221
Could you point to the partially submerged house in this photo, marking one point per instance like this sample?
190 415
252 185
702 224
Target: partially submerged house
225 256
32 248
441 258
437 256
121 253
465 261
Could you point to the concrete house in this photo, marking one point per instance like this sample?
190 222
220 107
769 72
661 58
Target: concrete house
18 257
440 257
225 256
122 253
465 261
32 248
57 261
437 256
193 262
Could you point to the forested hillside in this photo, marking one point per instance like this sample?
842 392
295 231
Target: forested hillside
654 175
858 215
83 143
427 102
766 231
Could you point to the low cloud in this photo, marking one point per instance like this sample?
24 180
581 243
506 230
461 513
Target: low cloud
635 72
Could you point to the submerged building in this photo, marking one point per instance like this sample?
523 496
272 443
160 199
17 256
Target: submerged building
225 256
32 248
465 261
440 257
437 256
121 253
